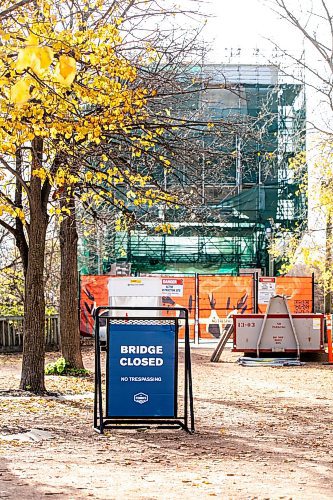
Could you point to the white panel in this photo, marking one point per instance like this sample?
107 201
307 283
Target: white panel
278 334
135 302
135 287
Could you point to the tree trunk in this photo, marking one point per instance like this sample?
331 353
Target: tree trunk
20 238
32 377
69 281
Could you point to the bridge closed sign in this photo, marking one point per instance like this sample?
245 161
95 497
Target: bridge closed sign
141 370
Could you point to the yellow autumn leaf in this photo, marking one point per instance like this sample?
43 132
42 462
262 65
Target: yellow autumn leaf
32 40
20 214
25 58
65 70
36 58
45 57
53 132
20 92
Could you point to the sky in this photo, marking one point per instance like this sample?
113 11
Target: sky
250 24
246 24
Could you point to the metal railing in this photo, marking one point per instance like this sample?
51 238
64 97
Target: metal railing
11 333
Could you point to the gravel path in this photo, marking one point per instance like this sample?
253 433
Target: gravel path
261 433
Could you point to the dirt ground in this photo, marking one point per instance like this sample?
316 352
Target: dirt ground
261 433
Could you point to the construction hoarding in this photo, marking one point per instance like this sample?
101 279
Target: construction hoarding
298 291
174 292
208 298
220 296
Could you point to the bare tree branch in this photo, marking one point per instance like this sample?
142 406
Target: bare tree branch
14 7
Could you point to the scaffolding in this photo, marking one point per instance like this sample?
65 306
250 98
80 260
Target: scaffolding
257 195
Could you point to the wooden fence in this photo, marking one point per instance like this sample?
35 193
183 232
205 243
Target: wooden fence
11 333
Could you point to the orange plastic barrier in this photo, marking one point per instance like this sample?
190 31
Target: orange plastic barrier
329 338
94 293
297 289
218 296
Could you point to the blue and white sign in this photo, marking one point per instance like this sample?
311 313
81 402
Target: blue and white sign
141 370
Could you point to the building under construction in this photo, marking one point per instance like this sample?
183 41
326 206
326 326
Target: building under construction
257 197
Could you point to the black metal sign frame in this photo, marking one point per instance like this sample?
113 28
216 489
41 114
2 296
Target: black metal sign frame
186 420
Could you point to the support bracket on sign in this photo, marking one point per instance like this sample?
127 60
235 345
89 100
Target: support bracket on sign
142 372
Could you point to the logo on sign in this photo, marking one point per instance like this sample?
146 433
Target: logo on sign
141 398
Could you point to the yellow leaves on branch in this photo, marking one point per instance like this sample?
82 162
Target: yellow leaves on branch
165 228
59 211
33 56
298 161
39 59
48 62
74 88
20 92
65 70
61 178
13 211
42 173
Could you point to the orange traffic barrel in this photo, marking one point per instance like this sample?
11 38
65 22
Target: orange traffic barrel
329 337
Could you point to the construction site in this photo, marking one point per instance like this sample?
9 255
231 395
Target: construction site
248 195
166 250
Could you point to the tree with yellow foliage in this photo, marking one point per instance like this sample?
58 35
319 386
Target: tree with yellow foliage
76 119
85 114
60 87
311 246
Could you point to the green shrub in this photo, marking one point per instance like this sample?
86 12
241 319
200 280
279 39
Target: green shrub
62 367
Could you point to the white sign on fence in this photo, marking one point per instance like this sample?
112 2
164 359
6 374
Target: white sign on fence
172 287
266 289
135 287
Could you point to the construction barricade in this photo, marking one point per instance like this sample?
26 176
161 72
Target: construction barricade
209 299
176 292
218 296
142 374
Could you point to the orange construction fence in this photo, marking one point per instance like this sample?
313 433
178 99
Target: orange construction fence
94 293
218 296
298 290
208 298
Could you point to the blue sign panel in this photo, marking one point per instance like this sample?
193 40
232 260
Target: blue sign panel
141 370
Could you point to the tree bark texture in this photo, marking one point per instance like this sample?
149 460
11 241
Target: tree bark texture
69 282
32 377
20 238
